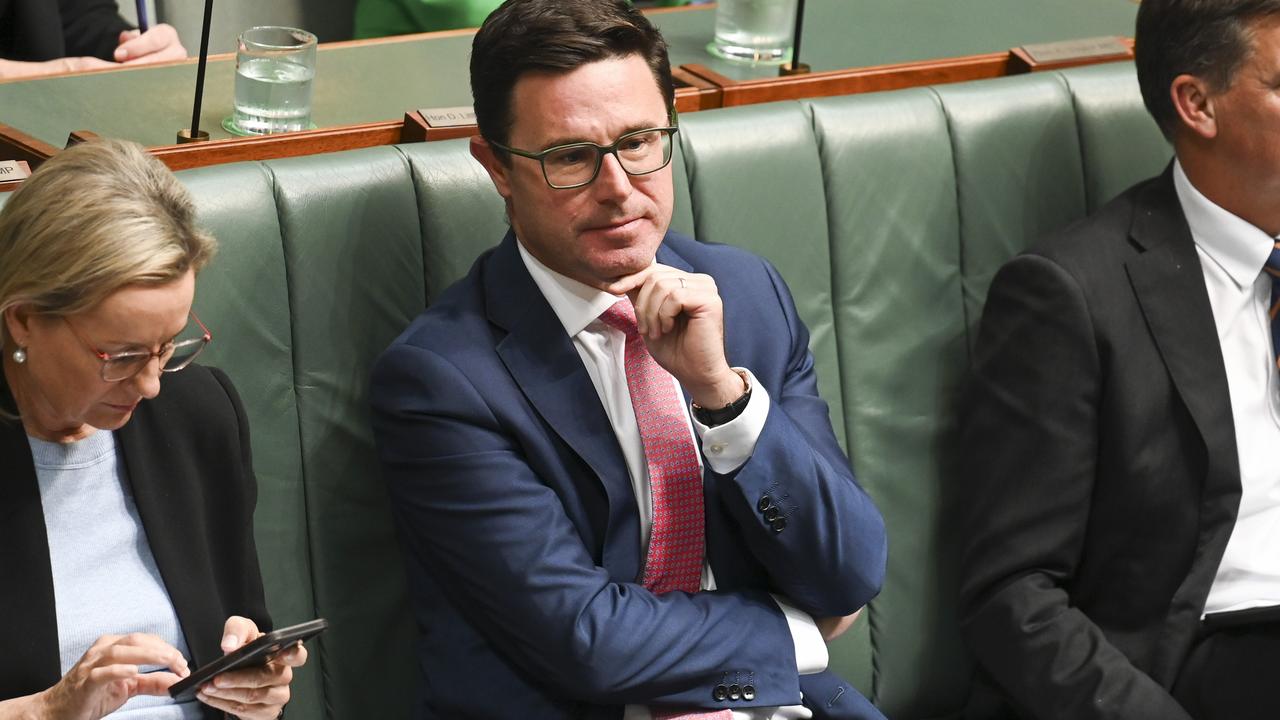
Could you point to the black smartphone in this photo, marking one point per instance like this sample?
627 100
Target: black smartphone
1237 618
252 654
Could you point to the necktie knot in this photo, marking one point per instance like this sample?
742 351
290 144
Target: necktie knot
621 316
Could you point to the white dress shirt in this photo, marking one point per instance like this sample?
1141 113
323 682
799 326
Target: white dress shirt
726 447
1232 255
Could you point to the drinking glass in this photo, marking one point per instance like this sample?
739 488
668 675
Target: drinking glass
274 70
756 31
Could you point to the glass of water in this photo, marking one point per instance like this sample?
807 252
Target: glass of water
274 70
755 31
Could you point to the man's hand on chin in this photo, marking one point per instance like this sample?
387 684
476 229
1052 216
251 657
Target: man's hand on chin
681 317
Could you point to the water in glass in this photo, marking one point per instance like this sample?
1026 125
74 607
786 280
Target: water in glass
754 30
273 95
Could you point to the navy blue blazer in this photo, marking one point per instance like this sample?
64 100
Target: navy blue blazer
521 529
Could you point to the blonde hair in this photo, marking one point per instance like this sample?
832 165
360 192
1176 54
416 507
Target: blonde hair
93 219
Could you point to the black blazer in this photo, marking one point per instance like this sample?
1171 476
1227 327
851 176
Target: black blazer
1100 468
189 467
33 30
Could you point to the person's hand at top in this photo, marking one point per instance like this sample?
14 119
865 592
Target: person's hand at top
158 44
255 693
14 69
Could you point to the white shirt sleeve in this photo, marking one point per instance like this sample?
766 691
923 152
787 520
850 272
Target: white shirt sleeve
811 649
726 447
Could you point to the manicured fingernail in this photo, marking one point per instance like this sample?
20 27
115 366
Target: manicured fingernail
229 642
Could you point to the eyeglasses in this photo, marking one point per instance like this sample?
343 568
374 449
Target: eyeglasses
570 166
173 355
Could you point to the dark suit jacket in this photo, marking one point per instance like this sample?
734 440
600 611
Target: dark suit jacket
189 468
521 528
1100 466
35 30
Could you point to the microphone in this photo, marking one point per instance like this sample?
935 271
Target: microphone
194 133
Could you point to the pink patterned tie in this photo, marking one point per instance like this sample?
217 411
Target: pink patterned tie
676 542
675 480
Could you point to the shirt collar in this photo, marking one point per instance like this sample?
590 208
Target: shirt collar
575 304
1240 248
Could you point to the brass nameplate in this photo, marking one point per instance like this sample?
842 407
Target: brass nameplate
14 170
460 116
1052 52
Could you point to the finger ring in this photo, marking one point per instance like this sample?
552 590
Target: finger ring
681 283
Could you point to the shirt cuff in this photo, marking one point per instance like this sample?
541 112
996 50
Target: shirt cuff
811 649
726 447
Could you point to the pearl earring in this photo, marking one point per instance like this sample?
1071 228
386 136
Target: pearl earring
20 355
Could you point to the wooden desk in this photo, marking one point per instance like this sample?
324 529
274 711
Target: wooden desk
363 89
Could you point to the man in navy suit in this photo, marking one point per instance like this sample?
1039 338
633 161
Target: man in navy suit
525 424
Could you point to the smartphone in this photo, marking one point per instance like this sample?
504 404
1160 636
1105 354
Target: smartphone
252 654
1214 622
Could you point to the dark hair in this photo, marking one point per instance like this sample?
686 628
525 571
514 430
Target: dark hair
1205 38
555 36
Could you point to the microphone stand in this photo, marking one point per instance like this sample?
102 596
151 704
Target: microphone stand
795 67
194 133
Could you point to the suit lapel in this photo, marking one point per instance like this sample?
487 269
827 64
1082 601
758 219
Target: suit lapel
31 661
542 360
154 470
1169 283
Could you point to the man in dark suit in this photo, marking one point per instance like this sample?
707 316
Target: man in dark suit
1124 414
618 489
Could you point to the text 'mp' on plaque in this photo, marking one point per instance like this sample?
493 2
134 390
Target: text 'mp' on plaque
14 170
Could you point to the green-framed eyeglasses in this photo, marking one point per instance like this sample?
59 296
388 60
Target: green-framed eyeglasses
639 152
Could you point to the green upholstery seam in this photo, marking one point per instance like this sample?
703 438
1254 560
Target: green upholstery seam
318 644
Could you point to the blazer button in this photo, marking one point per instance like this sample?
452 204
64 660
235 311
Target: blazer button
771 514
735 692
748 692
720 693
765 503
778 524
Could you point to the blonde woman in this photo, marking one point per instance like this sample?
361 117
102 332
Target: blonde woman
126 485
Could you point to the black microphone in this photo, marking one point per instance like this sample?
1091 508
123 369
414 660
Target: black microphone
194 133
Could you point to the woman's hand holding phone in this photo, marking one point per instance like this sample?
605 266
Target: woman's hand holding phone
256 693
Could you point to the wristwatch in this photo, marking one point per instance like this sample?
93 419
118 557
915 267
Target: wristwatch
712 418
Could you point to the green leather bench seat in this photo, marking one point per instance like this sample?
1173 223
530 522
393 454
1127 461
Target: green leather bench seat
887 214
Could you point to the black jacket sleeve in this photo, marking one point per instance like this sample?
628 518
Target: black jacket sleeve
90 27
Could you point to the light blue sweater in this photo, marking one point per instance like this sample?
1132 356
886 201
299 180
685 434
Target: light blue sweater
105 579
